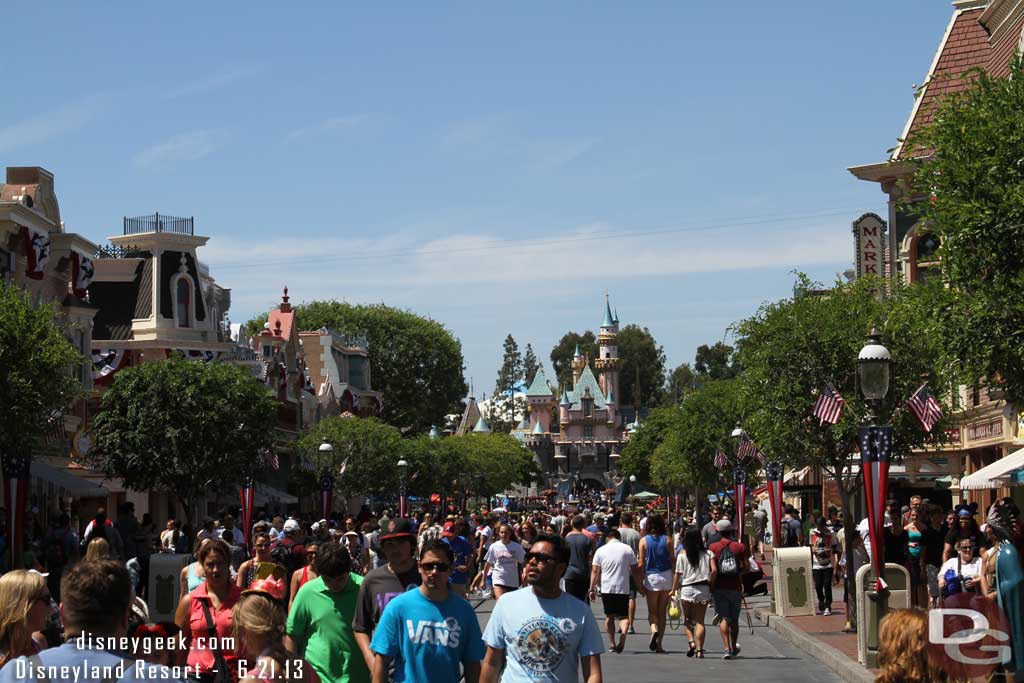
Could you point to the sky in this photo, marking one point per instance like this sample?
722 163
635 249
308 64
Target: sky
497 168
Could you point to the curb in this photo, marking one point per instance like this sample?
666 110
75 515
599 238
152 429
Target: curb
841 665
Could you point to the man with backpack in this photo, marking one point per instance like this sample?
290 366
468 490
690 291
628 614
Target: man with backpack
288 550
728 563
790 531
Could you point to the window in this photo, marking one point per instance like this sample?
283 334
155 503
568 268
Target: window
588 431
184 302
928 248
588 407
975 397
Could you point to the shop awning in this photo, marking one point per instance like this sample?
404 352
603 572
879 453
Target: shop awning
73 485
266 493
999 473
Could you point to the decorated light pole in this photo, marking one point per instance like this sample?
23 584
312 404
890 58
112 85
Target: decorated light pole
326 480
403 499
774 476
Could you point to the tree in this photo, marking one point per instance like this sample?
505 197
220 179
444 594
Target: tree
680 382
562 354
510 374
791 348
968 194
371 448
415 361
636 454
642 368
183 427
716 362
39 369
530 365
495 462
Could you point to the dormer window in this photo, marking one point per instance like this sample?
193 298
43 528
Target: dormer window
184 302
588 407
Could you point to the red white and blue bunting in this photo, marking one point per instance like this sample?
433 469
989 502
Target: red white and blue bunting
37 251
82 272
196 354
105 364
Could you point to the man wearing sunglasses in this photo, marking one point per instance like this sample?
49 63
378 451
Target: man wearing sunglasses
429 633
541 633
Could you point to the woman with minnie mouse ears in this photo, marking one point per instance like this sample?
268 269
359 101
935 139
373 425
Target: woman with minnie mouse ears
259 629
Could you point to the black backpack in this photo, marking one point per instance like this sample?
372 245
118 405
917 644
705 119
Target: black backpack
728 563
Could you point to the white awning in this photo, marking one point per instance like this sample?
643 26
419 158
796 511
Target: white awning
73 485
266 493
995 475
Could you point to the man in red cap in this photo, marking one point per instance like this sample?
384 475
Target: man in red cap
385 583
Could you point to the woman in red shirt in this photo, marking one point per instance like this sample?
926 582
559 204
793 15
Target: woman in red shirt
211 649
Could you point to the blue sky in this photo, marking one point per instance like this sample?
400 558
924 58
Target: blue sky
495 168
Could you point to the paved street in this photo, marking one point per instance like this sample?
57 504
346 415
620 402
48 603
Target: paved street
765 656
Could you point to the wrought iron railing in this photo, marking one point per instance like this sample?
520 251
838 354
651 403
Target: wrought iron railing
158 223
115 251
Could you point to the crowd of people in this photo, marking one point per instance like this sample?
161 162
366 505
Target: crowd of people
378 598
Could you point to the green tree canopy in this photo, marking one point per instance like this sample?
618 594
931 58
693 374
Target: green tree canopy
415 361
530 364
789 349
371 447
716 361
680 382
969 193
636 454
183 427
39 369
510 374
642 369
562 354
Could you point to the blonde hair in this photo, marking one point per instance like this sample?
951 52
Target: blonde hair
259 615
98 549
903 649
19 590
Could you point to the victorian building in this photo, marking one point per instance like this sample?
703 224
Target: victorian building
981 34
576 434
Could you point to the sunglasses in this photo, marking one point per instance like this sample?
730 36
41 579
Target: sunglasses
440 567
967 547
540 558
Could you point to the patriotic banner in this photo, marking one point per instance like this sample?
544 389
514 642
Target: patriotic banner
739 480
105 363
875 453
829 406
721 460
775 500
403 505
37 251
326 495
16 484
247 496
196 354
746 449
82 272
925 408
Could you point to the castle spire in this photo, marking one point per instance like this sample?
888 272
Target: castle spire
609 319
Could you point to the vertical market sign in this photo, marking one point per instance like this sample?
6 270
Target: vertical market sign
869 240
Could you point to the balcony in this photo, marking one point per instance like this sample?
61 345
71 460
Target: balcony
157 223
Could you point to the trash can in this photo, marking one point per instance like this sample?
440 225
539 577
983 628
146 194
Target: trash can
165 585
794 582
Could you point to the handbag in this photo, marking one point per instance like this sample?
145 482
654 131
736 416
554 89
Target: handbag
221 673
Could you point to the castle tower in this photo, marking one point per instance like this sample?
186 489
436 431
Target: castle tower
607 363
541 400
578 363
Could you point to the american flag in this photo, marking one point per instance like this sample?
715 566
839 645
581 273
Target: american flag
759 456
720 459
270 458
747 447
925 408
344 466
829 406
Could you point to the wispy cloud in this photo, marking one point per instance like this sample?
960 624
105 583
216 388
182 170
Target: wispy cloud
190 146
552 154
333 124
476 132
498 136
219 78
44 126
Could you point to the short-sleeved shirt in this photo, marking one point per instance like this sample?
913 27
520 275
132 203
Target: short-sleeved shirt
543 638
710 534
428 640
505 560
462 551
615 559
320 625
380 587
728 583
823 548
630 537
579 556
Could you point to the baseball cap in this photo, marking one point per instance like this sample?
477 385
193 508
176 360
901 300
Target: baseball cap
402 529
723 525
964 512
291 525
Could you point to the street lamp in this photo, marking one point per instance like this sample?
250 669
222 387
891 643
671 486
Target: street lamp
873 365
402 502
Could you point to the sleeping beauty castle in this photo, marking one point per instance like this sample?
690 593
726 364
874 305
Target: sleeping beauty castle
576 434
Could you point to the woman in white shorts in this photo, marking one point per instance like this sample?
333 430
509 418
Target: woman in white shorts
692 584
655 560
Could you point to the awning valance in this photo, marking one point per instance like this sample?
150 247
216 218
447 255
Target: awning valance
265 493
74 486
995 475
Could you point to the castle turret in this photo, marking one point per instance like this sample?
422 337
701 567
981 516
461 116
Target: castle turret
563 408
540 399
609 403
607 363
578 363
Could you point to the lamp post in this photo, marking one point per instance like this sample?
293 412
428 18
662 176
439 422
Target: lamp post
326 479
403 502
873 373
739 480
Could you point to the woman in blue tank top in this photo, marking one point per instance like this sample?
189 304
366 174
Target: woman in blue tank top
655 559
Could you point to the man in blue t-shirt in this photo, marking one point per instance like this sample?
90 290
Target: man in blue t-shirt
430 631
540 633
462 551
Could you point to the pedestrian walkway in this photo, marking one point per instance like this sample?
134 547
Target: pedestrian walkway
765 655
